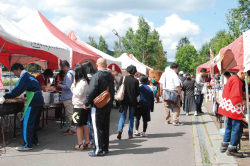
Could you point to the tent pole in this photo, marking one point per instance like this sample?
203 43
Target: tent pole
222 82
10 74
2 46
247 99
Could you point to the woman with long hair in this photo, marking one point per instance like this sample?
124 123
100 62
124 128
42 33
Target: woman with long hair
79 89
90 70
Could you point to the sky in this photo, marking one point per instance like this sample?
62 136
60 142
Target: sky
198 20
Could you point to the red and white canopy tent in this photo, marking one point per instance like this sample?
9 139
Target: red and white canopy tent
237 55
35 38
110 60
131 56
126 61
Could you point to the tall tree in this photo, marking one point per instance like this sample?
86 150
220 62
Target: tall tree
92 42
182 42
103 46
145 45
187 58
238 19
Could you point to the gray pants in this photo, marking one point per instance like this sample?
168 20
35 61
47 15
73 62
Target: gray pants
69 112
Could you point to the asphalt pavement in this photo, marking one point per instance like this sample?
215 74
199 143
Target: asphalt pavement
165 144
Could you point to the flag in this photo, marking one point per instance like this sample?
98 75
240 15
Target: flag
211 64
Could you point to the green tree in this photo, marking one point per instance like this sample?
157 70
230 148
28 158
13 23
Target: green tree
103 46
187 57
145 45
182 42
92 42
238 19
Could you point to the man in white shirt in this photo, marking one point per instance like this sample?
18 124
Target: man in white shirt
170 81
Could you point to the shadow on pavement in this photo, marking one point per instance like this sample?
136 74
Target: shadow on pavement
137 151
190 123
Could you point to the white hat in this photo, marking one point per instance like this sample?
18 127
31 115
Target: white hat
181 72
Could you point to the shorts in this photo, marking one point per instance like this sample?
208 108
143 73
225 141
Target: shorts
80 116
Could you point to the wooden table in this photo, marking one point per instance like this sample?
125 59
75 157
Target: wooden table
48 106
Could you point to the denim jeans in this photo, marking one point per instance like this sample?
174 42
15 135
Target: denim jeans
199 101
123 118
233 132
89 123
155 95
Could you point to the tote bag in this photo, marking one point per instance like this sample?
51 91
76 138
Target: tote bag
120 93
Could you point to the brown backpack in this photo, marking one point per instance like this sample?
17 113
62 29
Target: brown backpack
103 99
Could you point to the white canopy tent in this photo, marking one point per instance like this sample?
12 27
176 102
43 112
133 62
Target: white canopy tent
110 59
126 61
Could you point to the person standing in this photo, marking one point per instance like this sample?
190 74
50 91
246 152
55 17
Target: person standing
231 106
132 91
216 77
44 77
188 88
33 108
79 89
146 105
66 96
89 69
199 85
100 116
155 89
170 81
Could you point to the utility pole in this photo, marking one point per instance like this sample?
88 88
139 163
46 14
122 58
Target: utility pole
119 48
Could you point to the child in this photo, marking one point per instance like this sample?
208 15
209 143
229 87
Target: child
79 89
155 89
146 105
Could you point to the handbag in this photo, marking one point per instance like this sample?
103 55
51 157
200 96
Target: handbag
103 99
171 97
120 93
197 92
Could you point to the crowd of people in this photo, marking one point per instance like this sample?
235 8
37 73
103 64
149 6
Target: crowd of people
91 123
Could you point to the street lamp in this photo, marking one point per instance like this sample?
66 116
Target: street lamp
119 48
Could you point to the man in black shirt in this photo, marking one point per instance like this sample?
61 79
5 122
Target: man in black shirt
100 116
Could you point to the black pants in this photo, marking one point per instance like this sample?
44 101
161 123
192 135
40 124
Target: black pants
100 128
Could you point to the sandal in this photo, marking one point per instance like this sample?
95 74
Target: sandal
79 147
87 146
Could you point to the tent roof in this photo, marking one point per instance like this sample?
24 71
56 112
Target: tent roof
110 59
232 55
133 58
126 61
40 23
37 37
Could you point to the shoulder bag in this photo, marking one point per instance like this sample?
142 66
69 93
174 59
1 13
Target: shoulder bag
120 93
103 99
171 97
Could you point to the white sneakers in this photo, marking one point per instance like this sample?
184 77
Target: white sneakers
23 148
195 113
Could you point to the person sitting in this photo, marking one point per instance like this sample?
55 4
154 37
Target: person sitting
146 105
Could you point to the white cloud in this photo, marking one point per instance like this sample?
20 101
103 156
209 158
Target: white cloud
99 17
174 29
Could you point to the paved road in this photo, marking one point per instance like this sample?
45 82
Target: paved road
165 145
